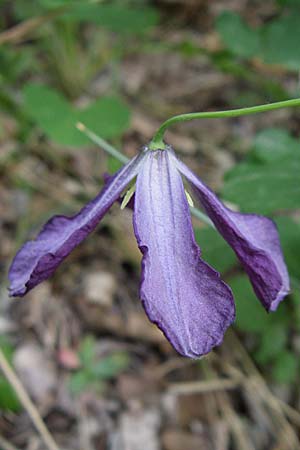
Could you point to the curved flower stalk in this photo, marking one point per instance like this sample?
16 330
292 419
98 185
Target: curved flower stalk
181 294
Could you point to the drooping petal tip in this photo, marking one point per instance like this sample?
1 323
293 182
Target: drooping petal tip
254 239
38 259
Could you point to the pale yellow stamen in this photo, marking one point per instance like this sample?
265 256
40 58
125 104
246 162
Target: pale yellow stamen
127 197
189 198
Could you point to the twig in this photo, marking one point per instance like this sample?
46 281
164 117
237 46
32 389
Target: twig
5 445
27 403
172 364
217 384
290 412
21 31
288 436
240 435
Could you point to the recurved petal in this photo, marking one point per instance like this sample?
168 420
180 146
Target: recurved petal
38 259
181 294
254 239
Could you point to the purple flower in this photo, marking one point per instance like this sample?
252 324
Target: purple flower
181 294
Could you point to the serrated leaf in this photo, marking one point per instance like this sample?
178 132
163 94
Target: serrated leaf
239 38
214 250
108 116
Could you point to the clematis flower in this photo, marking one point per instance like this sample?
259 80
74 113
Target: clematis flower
180 292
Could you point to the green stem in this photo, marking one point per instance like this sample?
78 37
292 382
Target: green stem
123 159
201 216
102 143
158 143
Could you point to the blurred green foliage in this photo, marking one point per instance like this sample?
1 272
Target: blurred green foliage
95 372
214 250
108 116
122 17
240 39
273 42
267 181
8 398
115 17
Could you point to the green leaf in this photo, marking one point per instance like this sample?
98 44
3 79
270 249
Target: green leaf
108 116
79 381
274 144
274 42
87 351
285 369
265 189
295 297
113 164
289 2
250 314
273 341
214 250
289 231
16 64
50 111
280 41
111 366
121 19
268 180
24 9
53 4
239 38
8 399
7 348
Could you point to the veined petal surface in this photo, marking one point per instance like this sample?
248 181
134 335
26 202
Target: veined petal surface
38 259
181 294
254 239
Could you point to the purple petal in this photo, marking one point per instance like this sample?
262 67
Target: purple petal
254 239
38 259
180 293
107 178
